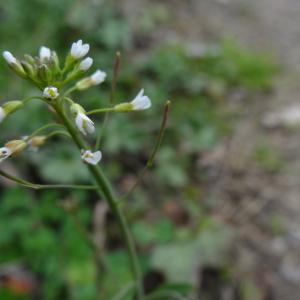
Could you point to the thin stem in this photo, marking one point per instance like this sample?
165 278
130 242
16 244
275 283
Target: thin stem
68 99
32 98
47 126
17 180
102 131
156 147
160 134
165 295
37 186
65 186
100 110
104 125
70 90
116 70
106 191
58 132
124 291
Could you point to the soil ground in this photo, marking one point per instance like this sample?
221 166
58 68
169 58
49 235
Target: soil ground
262 207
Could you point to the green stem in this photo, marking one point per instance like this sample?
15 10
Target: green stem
124 291
106 191
65 186
160 134
37 186
170 295
32 98
156 147
42 129
70 90
57 132
100 110
102 131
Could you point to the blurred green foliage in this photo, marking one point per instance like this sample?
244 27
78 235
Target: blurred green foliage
35 231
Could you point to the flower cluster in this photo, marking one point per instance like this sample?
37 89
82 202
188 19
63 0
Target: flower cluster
56 82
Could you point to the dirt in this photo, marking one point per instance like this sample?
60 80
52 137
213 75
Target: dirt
261 206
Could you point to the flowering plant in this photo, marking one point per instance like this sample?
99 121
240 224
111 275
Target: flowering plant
56 83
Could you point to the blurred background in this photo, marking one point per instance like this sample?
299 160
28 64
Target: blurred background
217 217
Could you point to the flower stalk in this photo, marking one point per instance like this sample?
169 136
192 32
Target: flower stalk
105 190
55 84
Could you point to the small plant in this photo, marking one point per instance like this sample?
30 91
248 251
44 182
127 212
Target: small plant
56 84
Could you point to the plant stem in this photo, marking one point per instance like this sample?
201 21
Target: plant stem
106 191
100 110
124 291
165 295
156 147
37 186
47 126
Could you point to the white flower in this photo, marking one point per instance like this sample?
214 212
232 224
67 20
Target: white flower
10 59
79 50
84 123
50 92
95 79
90 157
141 101
2 114
86 64
5 152
45 53
98 77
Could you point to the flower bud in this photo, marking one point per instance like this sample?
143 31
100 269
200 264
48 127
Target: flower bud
85 64
14 64
95 79
10 59
36 141
44 54
2 114
44 73
15 146
123 107
55 61
28 68
8 108
11 106
82 121
79 50
76 108
4 153
140 102
29 59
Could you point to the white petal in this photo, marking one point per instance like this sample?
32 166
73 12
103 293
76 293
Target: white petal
45 53
97 156
84 124
79 123
140 94
78 50
85 49
2 114
89 127
74 50
86 64
91 158
141 102
4 153
10 59
50 92
98 77
88 124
